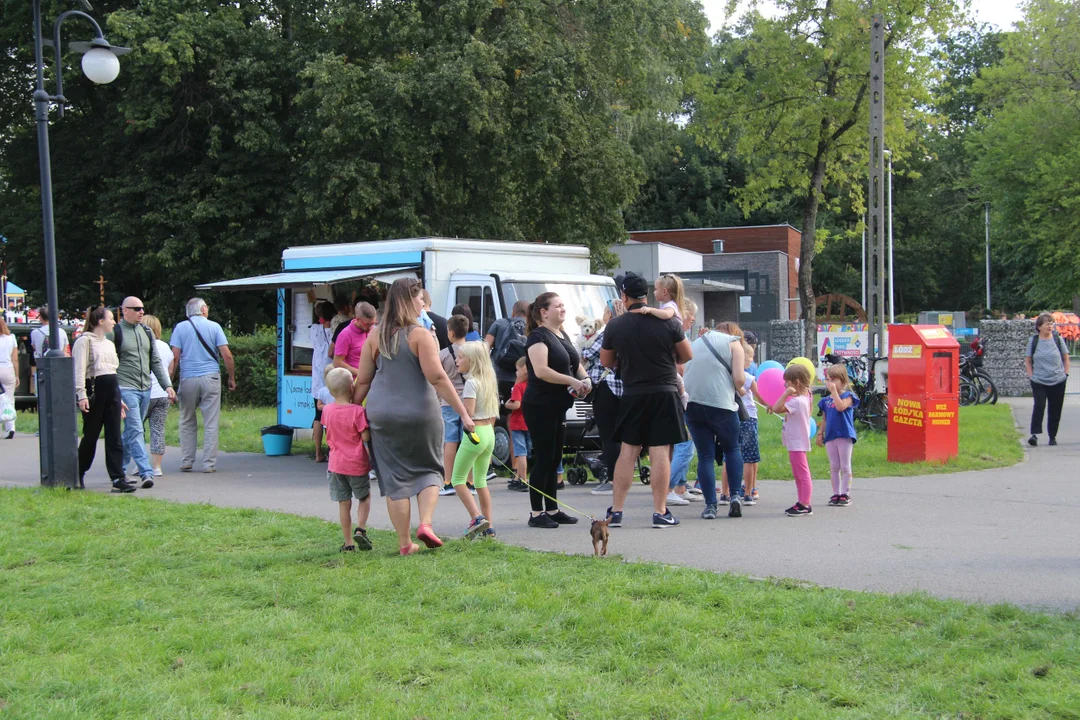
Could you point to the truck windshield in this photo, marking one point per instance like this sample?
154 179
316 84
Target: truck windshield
587 301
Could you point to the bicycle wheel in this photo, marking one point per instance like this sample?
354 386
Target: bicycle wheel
988 393
969 393
877 412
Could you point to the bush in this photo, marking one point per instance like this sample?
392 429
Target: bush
256 370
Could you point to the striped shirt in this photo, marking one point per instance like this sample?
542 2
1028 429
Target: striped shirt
597 372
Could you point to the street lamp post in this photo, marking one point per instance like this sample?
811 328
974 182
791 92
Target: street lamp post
892 287
56 391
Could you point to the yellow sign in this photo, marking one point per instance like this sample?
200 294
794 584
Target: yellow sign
935 333
908 412
907 352
945 319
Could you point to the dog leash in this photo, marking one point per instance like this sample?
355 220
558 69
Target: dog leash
555 500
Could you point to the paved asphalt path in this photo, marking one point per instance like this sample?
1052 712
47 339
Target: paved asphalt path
1010 534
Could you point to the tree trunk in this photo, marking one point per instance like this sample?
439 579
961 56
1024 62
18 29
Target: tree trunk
806 260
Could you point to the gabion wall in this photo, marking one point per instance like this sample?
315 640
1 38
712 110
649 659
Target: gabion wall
1007 343
786 341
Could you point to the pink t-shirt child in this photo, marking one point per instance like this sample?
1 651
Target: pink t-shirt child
796 432
350 343
343 424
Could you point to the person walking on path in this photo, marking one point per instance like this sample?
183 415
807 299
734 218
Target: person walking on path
349 343
39 337
607 389
1047 366
139 362
9 371
554 367
399 376
321 353
645 350
713 380
160 400
349 469
199 346
97 391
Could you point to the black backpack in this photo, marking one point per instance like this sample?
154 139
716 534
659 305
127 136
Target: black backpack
1058 343
118 340
511 346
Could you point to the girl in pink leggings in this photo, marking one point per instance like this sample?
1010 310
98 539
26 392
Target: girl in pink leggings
837 433
794 405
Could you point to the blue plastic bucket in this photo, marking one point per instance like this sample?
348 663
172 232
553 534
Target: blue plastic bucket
277 440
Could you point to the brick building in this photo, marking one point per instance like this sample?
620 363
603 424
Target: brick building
765 249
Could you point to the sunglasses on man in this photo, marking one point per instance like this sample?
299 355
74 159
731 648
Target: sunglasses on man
140 308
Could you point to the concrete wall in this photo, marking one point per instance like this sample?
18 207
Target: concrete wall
787 340
1007 344
772 264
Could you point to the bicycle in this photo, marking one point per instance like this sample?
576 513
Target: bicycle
873 408
971 370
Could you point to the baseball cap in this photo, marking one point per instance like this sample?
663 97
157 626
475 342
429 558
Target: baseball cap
633 286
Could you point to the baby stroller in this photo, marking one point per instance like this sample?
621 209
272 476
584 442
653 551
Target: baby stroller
581 453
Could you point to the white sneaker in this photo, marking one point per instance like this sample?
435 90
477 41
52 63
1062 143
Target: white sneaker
158 473
693 491
674 498
694 498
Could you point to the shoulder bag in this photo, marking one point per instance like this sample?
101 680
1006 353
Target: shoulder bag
743 414
206 346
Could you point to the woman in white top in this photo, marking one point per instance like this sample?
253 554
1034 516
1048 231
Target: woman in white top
9 371
159 399
98 393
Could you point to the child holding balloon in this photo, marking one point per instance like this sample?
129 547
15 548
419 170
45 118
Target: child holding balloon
838 434
794 404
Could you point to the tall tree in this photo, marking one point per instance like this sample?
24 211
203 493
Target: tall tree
1028 155
790 94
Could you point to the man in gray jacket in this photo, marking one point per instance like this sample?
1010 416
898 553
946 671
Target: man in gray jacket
138 360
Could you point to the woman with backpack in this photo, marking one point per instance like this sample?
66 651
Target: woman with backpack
1047 365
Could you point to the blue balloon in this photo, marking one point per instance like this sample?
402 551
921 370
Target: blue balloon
768 364
813 428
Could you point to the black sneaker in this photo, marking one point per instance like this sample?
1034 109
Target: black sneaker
148 482
843 500
1053 441
798 510
447 489
492 475
1033 441
543 520
517 486
614 518
664 521
833 500
561 485
564 519
360 539
735 509
469 485
123 486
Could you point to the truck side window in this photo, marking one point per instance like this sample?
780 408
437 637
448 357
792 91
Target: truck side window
471 296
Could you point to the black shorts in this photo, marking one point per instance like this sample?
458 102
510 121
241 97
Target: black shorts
651 420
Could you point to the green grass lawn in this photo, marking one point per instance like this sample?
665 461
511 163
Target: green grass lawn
124 607
988 439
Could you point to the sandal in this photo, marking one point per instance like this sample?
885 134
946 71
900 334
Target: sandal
347 548
413 548
361 539
426 535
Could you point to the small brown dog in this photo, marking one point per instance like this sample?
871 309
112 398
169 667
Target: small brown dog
599 532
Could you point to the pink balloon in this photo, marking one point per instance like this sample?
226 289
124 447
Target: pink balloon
771 384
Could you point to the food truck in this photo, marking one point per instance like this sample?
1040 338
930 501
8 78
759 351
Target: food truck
488 276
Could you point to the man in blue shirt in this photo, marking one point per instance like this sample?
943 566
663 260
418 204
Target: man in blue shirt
197 344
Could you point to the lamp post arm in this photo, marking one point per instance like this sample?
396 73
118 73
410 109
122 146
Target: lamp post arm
56 46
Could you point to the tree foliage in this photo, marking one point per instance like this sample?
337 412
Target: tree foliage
790 96
1028 156
236 129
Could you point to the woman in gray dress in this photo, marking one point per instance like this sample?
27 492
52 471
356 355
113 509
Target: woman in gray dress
399 375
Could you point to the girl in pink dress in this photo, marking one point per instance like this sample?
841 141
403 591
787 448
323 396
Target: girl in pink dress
794 405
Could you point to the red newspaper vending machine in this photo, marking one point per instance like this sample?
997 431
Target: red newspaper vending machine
924 385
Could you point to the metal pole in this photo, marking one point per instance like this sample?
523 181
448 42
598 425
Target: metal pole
876 204
59 459
892 288
987 208
863 283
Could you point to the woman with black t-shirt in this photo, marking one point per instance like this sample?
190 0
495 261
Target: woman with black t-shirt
554 371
